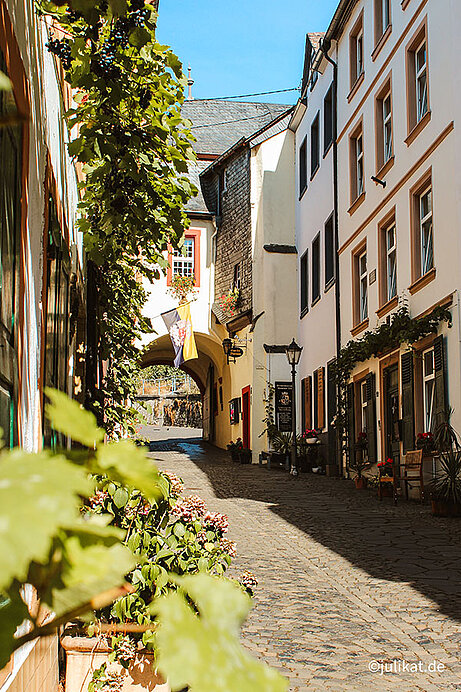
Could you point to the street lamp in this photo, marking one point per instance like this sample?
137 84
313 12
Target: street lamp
293 352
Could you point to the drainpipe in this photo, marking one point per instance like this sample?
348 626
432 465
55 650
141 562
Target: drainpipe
325 47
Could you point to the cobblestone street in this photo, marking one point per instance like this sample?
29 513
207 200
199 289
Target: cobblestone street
344 581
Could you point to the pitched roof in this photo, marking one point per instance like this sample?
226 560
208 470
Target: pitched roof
218 124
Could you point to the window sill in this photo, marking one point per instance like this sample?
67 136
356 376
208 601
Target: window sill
422 281
328 147
405 4
381 42
359 327
418 128
301 194
387 307
356 204
303 313
385 168
356 86
329 284
315 301
314 172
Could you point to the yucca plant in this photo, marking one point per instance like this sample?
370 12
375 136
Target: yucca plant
447 484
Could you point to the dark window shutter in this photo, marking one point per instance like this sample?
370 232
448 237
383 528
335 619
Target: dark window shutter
371 418
408 408
440 381
350 422
331 412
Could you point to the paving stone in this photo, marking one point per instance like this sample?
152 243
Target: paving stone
344 580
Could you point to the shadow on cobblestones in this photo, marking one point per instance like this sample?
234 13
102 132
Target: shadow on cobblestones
402 543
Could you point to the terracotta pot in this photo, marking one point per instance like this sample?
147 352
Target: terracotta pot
441 508
361 483
84 655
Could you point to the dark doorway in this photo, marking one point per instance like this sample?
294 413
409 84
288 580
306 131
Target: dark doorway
392 414
246 417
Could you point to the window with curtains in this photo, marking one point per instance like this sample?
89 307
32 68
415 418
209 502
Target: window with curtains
10 228
183 259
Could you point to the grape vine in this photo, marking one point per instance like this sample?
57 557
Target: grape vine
134 150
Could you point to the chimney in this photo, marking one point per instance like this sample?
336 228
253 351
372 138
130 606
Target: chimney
190 81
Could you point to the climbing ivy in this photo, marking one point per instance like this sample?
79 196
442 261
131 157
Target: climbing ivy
134 149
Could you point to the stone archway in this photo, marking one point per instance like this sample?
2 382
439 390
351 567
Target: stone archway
203 370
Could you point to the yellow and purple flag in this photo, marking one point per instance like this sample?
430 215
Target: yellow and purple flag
179 325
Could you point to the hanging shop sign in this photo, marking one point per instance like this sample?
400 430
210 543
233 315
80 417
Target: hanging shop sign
283 406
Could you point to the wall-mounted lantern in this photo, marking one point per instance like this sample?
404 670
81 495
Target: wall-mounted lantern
231 351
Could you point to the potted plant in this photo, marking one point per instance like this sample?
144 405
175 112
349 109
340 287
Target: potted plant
358 464
307 446
446 486
425 441
282 442
235 448
385 470
245 455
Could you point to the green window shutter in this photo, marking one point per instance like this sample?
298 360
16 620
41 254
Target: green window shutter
371 418
408 409
331 412
440 381
350 422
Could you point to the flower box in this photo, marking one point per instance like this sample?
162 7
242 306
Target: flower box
84 655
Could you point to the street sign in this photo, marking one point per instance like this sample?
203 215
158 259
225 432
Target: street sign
235 352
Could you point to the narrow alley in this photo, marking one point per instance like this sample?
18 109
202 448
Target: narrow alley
353 594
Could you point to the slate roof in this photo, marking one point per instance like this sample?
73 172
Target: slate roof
217 124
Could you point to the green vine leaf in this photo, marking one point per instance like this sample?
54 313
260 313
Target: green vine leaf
67 417
202 651
39 494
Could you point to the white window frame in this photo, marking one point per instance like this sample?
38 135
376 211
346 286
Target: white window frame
363 287
359 164
428 383
184 265
391 262
386 14
423 221
420 78
387 127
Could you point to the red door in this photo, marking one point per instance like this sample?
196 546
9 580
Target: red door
246 416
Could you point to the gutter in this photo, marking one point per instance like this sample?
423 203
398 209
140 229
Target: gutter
340 17
324 48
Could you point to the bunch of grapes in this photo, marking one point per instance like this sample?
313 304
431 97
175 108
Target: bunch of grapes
145 96
139 17
119 33
103 62
61 48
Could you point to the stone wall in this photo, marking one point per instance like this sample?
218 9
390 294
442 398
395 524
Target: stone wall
234 231
178 411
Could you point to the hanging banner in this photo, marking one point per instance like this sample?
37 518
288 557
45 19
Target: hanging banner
283 406
179 325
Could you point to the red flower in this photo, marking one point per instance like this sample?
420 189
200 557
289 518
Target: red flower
389 461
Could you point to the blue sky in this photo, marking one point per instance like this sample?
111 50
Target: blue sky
242 47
